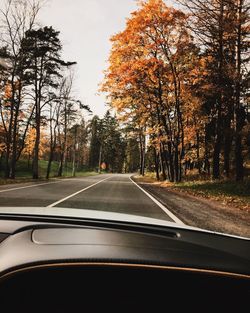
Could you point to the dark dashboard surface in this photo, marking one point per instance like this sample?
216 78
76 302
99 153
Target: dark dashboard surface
54 257
37 240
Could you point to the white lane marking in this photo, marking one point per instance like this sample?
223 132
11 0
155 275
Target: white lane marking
170 214
31 186
76 193
58 180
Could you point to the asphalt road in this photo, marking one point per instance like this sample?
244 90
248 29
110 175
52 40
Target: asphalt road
108 192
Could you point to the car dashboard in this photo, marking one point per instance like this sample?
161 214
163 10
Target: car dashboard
83 265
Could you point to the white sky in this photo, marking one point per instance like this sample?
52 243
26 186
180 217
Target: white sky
86 27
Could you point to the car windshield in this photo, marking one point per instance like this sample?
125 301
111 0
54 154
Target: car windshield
134 107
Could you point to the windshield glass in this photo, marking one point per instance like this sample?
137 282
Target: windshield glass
132 107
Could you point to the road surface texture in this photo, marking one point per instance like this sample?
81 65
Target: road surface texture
202 213
107 192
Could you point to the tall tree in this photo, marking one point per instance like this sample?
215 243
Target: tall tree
149 64
242 30
107 144
43 62
113 145
221 28
17 17
95 142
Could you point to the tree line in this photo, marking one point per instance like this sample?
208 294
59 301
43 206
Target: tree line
180 78
35 89
40 119
178 81
111 147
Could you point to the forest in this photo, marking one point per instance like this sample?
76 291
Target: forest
180 78
177 86
42 127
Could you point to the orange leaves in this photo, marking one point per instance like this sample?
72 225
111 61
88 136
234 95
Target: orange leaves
7 91
30 143
152 66
2 135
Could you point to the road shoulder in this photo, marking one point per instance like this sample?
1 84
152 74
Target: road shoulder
200 212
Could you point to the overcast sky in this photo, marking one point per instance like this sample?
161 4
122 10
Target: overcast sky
86 27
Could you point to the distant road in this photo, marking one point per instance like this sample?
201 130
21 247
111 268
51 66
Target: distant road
107 192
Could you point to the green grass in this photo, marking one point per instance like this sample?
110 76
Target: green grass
24 172
84 174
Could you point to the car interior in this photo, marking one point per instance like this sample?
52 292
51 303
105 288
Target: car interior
75 265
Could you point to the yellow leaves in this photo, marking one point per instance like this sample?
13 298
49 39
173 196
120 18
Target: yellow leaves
30 143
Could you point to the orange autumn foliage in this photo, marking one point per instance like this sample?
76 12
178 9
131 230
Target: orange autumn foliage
153 66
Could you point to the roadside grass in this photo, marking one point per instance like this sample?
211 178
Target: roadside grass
149 177
4 181
24 172
226 191
232 192
84 174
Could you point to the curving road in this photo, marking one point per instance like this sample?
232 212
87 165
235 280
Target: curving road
108 192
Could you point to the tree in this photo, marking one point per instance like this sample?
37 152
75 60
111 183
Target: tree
41 50
113 144
221 28
95 142
54 113
242 77
146 79
107 144
17 18
132 154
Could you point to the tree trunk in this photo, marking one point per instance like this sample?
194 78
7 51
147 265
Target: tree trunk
60 169
207 154
216 157
1 158
74 154
37 143
49 164
64 144
180 169
10 132
239 111
156 159
176 164
14 134
198 152
238 157
14 143
218 137
170 162
100 160
163 162
227 150
7 166
142 154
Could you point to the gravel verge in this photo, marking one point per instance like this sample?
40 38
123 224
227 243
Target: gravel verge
199 212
